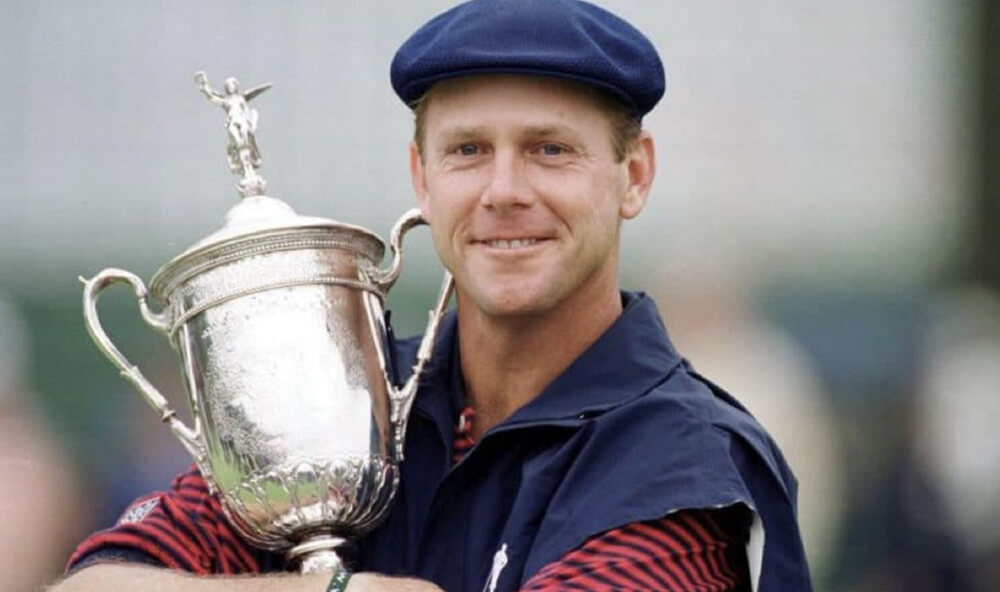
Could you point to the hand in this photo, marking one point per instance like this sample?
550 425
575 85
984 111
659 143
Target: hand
200 77
369 582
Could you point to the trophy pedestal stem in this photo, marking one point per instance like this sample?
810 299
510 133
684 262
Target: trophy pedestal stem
317 554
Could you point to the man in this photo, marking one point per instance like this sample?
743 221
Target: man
558 441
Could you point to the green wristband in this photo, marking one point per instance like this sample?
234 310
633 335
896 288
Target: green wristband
338 583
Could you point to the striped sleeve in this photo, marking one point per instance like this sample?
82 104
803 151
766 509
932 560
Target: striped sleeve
182 529
690 551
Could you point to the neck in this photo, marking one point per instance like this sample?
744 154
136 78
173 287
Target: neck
508 361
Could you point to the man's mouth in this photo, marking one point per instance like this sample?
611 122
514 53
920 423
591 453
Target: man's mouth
516 243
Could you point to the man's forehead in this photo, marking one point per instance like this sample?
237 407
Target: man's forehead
537 104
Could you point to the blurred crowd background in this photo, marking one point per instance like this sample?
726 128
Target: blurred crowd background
822 240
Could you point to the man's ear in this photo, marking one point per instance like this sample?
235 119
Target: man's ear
640 163
418 180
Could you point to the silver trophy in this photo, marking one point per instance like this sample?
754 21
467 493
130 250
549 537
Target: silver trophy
278 322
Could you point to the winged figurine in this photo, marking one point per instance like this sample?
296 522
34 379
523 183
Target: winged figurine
241 125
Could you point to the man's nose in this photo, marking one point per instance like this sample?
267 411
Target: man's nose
508 185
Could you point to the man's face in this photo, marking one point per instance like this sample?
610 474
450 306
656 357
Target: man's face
522 191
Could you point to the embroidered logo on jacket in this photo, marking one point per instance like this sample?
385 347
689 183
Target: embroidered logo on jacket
499 562
138 511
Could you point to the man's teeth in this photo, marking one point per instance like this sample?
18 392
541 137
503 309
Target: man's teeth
516 243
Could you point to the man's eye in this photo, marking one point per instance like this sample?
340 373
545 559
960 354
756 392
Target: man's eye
552 149
468 150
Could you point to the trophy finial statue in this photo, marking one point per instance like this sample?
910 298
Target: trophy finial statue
241 124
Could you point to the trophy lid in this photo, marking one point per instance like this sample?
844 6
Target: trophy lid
261 214
259 225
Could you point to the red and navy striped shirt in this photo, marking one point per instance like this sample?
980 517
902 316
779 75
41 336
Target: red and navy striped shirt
693 550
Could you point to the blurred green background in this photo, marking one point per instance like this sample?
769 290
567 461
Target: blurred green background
821 238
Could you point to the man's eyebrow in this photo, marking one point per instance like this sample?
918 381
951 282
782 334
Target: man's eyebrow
545 130
461 133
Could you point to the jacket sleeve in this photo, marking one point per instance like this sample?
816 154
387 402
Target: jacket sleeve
182 528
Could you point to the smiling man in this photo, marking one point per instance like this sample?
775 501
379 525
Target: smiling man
558 441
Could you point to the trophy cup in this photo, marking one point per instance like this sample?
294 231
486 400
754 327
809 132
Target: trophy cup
278 322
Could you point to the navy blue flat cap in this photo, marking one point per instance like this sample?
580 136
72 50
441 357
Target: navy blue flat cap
566 39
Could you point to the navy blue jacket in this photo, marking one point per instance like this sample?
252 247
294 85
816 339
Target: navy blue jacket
629 432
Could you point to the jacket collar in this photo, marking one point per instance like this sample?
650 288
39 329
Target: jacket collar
629 359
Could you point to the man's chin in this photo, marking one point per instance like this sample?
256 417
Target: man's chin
512 303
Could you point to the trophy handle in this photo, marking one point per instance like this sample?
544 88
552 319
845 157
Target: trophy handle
385 278
402 399
91 292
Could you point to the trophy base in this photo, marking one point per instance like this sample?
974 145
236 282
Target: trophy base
317 554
